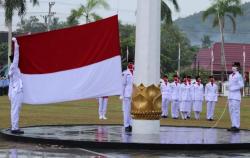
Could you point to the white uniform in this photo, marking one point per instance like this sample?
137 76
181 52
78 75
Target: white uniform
103 103
127 88
211 96
186 98
175 98
198 97
15 90
166 91
234 98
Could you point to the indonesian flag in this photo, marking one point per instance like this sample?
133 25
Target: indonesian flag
71 64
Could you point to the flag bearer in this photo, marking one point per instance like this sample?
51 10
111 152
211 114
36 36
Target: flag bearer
234 86
198 97
15 90
211 95
103 103
127 88
186 98
175 97
166 96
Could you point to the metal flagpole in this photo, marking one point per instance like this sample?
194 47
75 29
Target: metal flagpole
179 59
212 60
244 67
127 53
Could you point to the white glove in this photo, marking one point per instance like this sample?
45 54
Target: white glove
121 97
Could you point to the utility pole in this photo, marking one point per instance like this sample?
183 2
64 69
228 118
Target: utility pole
179 59
50 14
244 67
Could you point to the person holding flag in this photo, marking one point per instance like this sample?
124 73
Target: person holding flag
15 89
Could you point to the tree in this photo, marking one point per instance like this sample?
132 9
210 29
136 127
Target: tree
166 13
87 11
220 10
206 42
170 37
34 25
10 6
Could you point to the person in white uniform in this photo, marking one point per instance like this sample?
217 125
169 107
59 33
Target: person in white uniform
127 89
198 97
211 96
175 98
234 97
15 90
191 93
103 103
166 91
185 94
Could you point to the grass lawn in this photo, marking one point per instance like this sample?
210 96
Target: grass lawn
86 112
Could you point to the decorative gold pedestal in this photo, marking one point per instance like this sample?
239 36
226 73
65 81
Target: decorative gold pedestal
146 102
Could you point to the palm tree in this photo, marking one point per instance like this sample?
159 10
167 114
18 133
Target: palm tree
10 6
166 13
87 11
222 9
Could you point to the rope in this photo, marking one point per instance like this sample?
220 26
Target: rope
225 67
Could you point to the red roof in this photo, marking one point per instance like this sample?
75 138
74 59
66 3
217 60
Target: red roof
233 53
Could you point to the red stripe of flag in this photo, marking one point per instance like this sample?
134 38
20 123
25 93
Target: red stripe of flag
69 48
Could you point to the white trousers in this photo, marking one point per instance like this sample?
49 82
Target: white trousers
16 103
164 108
197 105
234 111
126 107
175 108
210 109
103 103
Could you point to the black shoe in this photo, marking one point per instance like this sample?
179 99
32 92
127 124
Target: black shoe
176 118
211 119
18 131
163 116
188 117
236 129
128 129
230 129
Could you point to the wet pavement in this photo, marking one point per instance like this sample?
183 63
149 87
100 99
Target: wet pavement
113 133
98 153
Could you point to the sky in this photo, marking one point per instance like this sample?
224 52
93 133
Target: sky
126 9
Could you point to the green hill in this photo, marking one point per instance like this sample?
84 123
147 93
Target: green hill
195 28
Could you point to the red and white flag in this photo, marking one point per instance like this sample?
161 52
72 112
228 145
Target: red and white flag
70 64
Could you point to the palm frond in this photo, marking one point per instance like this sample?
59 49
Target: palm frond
232 19
166 14
210 11
176 5
235 10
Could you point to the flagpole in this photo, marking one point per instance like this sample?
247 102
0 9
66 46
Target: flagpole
244 67
179 59
212 60
127 53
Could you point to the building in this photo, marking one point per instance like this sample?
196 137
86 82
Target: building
210 58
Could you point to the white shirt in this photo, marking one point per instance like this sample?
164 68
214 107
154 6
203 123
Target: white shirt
166 90
198 92
234 86
186 92
211 92
127 83
175 91
15 85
